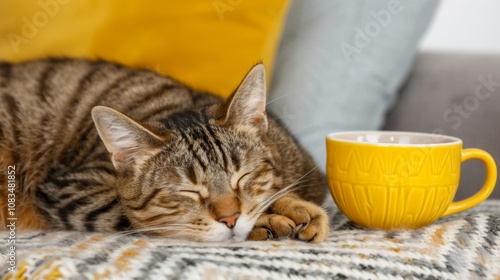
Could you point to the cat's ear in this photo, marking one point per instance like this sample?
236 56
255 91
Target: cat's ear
247 106
129 143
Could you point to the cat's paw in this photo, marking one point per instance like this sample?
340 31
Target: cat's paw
292 217
311 220
270 226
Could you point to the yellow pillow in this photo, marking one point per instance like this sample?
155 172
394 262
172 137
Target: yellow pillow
207 44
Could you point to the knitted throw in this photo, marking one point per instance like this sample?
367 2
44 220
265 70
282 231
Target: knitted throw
462 246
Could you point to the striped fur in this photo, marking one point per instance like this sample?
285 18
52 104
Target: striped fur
166 160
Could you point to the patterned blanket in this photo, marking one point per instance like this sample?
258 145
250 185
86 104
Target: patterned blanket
462 246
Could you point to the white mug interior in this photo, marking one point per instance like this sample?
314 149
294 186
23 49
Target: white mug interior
398 138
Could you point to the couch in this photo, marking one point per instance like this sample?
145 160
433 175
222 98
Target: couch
461 246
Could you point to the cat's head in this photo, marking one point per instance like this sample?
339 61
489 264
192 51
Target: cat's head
202 175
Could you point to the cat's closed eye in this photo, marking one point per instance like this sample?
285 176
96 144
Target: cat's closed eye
193 194
242 181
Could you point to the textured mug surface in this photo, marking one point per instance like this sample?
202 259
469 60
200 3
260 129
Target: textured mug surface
392 180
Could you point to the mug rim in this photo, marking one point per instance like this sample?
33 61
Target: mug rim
451 140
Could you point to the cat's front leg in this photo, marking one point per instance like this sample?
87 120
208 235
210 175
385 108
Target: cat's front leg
291 216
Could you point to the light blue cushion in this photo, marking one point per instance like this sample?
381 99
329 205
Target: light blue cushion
340 64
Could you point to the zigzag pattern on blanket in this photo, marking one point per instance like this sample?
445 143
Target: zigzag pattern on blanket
463 246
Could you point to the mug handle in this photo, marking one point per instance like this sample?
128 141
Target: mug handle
489 184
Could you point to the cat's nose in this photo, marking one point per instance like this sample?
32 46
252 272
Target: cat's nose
230 221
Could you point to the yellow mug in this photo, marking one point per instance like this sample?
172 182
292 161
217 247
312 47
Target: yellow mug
396 180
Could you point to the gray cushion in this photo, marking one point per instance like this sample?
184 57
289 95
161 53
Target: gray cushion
340 64
440 96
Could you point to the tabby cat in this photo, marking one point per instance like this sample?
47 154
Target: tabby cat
97 146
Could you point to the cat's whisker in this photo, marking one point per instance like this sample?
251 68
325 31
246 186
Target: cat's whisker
298 180
278 98
184 235
292 187
268 202
302 181
263 205
290 172
147 229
